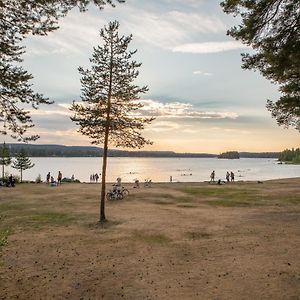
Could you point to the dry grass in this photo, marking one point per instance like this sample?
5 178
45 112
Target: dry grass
171 241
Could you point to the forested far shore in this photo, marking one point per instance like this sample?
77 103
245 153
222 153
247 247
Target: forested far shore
92 151
290 156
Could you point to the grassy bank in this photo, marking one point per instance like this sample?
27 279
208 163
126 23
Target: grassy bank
171 241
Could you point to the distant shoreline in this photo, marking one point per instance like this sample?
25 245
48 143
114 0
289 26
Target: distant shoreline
90 151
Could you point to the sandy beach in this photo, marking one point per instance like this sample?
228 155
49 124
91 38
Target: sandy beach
170 241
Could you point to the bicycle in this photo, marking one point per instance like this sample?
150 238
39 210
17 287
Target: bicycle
125 191
114 195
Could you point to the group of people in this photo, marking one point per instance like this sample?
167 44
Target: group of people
147 183
229 177
95 177
8 183
50 179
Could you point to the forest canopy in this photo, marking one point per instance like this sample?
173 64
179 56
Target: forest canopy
272 29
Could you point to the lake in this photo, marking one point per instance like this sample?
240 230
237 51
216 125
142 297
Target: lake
160 169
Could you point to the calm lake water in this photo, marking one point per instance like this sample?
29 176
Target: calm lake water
160 169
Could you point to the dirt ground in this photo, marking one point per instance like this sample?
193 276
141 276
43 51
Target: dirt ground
170 241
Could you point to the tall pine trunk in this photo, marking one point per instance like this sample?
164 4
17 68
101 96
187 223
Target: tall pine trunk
3 172
105 148
103 183
21 175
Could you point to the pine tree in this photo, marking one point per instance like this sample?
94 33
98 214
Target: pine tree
272 29
5 158
110 99
22 162
18 19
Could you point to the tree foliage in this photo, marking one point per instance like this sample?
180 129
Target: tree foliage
18 19
229 155
22 162
5 158
272 29
108 113
291 156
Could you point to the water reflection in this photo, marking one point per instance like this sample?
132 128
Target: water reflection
160 169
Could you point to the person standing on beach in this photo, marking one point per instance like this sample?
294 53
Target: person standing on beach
59 177
212 176
228 176
48 178
232 176
96 177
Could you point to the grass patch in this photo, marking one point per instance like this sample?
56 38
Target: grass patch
187 205
48 218
162 202
11 207
240 196
108 224
151 238
35 219
293 200
197 235
161 198
234 203
4 233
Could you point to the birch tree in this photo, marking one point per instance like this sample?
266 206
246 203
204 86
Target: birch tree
108 112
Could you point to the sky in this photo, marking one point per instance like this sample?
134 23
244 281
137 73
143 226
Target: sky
202 99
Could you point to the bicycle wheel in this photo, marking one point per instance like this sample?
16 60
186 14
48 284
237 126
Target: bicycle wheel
125 192
109 196
120 196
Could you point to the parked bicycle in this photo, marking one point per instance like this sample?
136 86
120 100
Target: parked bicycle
117 193
114 195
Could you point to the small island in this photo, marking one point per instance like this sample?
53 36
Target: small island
290 156
229 155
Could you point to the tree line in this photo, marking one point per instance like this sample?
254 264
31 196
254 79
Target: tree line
92 151
229 155
290 156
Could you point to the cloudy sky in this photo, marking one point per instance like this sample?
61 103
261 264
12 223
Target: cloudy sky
203 100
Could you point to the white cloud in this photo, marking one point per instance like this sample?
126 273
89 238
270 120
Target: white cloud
196 22
163 126
167 30
229 130
181 110
209 47
198 72
78 34
60 109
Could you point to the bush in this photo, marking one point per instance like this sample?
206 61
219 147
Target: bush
69 180
38 179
